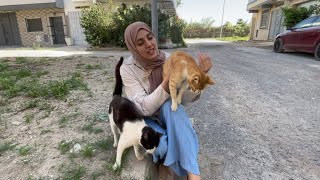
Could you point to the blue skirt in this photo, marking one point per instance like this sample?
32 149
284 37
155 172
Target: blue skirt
179 144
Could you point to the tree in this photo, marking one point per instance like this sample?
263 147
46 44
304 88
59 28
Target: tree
179 3
95 20
107 28
316 8
293 15
242 28
207 22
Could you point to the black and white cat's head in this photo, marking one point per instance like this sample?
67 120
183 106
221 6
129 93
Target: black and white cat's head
150 139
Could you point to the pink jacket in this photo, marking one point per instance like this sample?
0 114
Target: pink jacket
137 88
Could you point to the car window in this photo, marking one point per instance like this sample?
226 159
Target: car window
316 22
305 23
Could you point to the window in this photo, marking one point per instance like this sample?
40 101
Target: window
316 22
305 23
264 19
34 25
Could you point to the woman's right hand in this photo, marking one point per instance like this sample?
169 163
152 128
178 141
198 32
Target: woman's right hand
165 83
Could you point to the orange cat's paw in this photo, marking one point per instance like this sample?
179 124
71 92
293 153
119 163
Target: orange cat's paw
179 101
174 107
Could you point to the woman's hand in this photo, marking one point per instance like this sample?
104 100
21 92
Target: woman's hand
205 62
165 83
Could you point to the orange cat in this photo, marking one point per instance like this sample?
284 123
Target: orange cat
184 72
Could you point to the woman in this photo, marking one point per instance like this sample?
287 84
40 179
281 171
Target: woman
142 78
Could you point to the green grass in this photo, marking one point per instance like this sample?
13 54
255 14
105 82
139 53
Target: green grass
45 131
25 150
67 118
95 175
30 104
91 67
69 58
38 74
21 60
22 73
22 81
104 144
36 103
91 129
88 66
5 146
73 172
3 102
111 161
43 105
64 146
28 118
234 39
87 151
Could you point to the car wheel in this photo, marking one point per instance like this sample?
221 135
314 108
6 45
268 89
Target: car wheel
278 46
317 52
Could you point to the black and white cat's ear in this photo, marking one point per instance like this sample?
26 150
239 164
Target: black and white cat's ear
145 136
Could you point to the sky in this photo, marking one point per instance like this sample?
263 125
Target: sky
195 10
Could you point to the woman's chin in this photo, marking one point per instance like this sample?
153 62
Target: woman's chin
151 56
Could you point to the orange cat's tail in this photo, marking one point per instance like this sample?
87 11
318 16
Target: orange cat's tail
119 83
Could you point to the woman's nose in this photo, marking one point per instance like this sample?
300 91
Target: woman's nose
148 43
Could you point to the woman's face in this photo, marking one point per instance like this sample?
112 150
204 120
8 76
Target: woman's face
146 44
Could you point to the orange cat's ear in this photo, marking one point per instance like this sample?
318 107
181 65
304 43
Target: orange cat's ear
195 79
210 81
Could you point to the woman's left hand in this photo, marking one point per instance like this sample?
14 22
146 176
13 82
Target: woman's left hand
205 62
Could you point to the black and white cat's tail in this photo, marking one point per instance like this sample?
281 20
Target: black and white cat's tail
119 84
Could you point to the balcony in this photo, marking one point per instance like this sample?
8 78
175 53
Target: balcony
168 6
29 4
84 3
255 5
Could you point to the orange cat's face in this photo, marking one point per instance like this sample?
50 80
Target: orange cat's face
198 83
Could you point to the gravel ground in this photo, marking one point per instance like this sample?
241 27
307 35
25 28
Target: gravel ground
261 120
58 138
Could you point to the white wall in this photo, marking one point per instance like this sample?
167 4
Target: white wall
69 6
19 2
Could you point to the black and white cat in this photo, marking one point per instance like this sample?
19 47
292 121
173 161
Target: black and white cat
124 116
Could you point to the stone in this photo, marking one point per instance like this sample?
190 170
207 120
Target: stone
17 123
76 148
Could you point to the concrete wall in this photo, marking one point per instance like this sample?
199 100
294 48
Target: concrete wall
264 33
20 2
30 39
258 32
70 6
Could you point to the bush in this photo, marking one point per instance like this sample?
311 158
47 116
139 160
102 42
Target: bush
176 30
293 15
124 16
95 20
106 28
205 29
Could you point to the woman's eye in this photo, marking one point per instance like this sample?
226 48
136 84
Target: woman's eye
150 37
139 43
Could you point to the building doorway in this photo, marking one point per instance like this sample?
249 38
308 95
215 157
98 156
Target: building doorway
57 30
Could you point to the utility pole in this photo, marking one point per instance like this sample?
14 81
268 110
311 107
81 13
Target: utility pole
224 3
154 17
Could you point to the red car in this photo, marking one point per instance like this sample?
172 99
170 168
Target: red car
303 37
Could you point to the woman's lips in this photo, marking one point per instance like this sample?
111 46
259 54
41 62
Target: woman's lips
151 51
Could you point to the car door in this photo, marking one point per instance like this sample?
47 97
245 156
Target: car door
292 38
309 36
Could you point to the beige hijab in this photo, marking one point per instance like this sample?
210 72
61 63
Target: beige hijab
155 65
